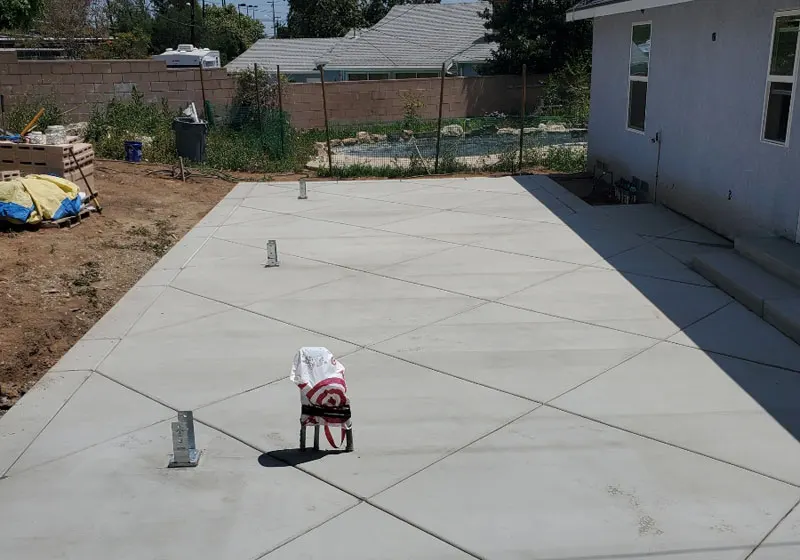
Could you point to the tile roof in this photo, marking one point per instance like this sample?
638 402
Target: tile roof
296 56
411 36
415 36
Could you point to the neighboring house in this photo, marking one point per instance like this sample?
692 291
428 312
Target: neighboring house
706 116
297 57
411 41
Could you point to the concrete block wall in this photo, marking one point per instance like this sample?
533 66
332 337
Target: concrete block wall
384 100
80 84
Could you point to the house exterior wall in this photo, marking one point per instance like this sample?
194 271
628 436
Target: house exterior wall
706 99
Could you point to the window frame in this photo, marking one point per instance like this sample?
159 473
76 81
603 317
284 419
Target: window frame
645 79
771 78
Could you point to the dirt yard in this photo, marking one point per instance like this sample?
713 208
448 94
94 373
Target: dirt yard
56 283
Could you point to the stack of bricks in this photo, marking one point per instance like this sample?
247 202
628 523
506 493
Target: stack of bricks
40 159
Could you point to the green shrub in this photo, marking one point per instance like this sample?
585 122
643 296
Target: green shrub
20 113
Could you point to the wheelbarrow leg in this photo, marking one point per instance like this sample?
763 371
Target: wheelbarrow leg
316 437
302 438
349 437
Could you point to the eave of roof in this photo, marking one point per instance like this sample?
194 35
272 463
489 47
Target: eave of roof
588 9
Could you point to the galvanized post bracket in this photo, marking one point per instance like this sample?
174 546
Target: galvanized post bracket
184 449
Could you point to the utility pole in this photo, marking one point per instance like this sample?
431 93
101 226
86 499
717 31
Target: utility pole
274 21
193 37
204 10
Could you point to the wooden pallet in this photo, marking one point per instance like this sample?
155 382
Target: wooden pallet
69 221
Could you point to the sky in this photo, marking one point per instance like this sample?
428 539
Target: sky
263 10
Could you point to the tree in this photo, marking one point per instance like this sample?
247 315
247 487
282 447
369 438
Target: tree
323 18
228 32
536 33
129 16
19 14
376 10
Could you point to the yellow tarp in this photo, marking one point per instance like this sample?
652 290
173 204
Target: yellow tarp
38 197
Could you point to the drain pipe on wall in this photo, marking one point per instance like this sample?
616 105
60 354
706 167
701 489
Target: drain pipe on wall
657 140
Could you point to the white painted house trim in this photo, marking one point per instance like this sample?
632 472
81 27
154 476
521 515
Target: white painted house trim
619 8
780 79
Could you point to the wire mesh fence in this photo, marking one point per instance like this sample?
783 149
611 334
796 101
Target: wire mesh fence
255 133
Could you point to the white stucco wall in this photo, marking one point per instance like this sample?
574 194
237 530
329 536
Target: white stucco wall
706 98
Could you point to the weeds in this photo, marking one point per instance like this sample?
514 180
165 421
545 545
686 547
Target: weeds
83 283
22 112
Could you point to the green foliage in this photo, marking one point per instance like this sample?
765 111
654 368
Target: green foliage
256 94
566 91
412 105
534 32
133 119
129 16
126 45
324 18
19 14
20 113
563 159
228 32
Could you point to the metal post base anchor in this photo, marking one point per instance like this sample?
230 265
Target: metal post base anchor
272 254
303 191
184 450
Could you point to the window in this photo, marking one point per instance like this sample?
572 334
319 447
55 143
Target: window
378 75
779 97
638 74
356 77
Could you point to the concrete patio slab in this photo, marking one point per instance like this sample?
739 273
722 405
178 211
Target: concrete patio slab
120 318
25 421
551 476
538 207
405 418
518 351
219 265
648 260
458 227
477 272
100 410
658 456
706 403
561 243
342 538
365 309
440 198
631 303
210 358
366 213
118 500
782 543
736 331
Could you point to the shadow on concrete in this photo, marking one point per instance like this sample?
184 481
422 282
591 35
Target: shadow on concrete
294 457
774 385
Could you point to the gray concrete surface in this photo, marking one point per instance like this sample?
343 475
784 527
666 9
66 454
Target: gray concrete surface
531 378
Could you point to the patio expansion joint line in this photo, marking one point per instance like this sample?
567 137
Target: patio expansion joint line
4 474
359 499
772 530
671 444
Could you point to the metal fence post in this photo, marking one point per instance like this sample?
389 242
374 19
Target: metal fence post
325 111
258 107
522 112
203 89
439 123
280 110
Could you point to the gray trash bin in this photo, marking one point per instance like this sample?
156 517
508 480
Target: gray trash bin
190 138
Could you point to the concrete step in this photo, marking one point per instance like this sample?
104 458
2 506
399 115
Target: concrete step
769 297
778 256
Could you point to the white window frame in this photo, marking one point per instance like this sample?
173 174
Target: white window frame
645 79
780 79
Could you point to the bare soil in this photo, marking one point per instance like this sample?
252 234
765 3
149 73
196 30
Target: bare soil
56 283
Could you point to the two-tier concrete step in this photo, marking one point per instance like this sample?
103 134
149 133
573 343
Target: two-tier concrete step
777 256
767 295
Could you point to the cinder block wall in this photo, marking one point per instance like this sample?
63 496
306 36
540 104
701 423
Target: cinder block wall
385 100
80 84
